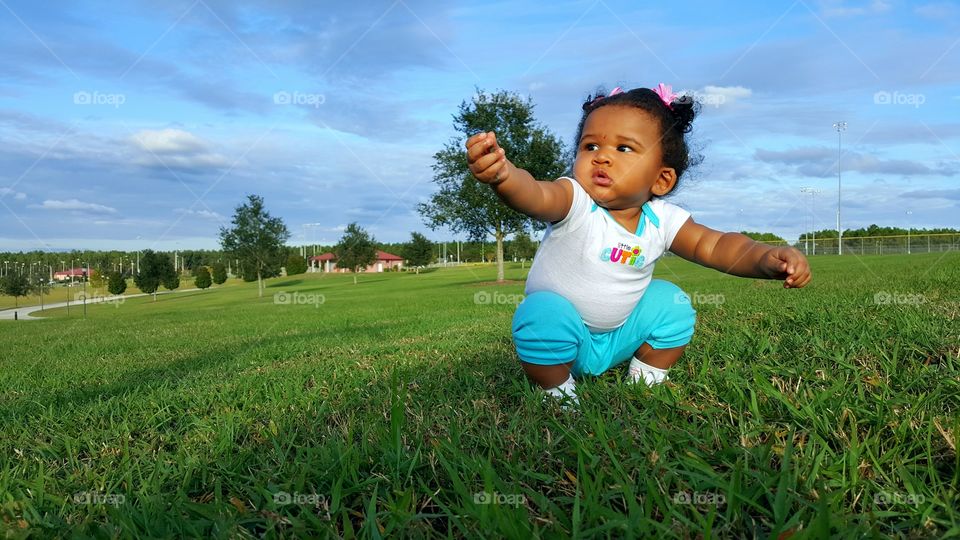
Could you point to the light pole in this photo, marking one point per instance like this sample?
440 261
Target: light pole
86 276
813 226
909 213
840 127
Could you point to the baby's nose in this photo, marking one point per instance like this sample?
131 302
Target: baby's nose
601 157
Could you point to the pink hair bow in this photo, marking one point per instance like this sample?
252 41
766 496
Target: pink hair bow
665 91
613 92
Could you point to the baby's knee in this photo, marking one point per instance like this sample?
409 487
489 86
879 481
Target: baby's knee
677 316
547 329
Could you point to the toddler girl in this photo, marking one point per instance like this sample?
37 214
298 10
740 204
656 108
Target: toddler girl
591 302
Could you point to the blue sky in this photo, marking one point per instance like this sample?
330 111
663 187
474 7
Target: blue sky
144 125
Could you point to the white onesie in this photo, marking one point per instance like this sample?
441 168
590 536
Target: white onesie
596 264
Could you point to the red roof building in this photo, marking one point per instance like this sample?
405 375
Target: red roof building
328 263
75 273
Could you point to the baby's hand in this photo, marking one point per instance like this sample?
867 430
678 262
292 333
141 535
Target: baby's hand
486 159
789 264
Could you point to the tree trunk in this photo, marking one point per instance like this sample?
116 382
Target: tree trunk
499 234
354 277
259 284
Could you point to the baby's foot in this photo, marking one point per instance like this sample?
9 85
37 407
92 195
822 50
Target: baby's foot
566 393
640 371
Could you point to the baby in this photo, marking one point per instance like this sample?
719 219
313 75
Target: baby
591 301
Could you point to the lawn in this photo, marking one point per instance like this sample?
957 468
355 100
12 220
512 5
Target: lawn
396 407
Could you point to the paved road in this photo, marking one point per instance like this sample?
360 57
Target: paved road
23 312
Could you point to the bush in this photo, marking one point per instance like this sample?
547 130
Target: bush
116 283
296 265
218 273
202 279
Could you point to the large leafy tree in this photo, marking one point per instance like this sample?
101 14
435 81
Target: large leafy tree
257 239
463 204
419 251
356 249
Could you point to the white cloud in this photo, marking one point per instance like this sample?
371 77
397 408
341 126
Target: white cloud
175 149
719 96
169 141
938 11
836 8
202 214
75 205
17 195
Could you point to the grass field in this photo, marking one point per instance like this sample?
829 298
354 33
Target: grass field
396 407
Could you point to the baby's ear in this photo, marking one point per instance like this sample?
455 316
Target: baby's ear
665 182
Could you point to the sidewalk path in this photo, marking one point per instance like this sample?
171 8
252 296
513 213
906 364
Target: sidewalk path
25 311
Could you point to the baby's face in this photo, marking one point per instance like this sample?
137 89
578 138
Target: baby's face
619 157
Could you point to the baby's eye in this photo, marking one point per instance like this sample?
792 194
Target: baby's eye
589 146
628 149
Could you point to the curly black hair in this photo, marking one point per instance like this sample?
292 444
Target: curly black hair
675 121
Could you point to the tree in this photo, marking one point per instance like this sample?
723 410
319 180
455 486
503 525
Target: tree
419 251
219 273
116 284
154 267
257 239
356 250
295 265
96 279
15 285
465 205
764 237
523 246
202 279
171 281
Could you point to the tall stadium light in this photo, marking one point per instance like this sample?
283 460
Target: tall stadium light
840 127
813 225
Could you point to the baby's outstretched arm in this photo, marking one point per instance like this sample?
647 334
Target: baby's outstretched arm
545 201
737 254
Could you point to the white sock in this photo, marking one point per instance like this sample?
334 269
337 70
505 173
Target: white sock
645 372
565 390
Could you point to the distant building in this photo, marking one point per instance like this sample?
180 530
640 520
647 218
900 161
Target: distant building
72 273
328 263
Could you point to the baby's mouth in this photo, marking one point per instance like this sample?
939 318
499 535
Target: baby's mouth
601 178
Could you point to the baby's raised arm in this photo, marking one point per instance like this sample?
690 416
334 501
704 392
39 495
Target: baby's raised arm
544 201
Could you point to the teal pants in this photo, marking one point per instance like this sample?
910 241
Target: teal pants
547 329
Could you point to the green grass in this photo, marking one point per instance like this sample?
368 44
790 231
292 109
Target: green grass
388 407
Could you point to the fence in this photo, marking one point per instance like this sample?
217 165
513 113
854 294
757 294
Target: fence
882 245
